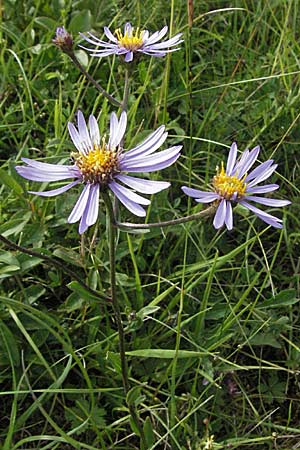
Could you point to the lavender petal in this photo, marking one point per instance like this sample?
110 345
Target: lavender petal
129 56
268 201
201 196
76 138
252 157
157 36
259 170
149 145
142 185
57 191
94 131
150 160
274 223
33 174
262 189
109 35
263 176
80 205
220 215
93 205
83 131
231 158
229 216
129 194
133 207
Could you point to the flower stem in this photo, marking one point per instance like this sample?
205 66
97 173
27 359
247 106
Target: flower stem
94 82
117 313
126 91
144 226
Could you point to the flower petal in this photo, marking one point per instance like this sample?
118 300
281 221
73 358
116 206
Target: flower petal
210 196
268 201
34 174
76 138
149 145
256 210
93 205
80 205
220 214
263 175
133 207
129 56
262 189
157 36
248 163
54 192
274 223
94 130
109 35
259 170
129 194
142 185
83 131
152 162
231 159
46 166
229 216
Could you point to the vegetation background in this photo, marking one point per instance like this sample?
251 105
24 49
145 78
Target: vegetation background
230 298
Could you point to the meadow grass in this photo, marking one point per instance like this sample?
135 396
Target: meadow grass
211 318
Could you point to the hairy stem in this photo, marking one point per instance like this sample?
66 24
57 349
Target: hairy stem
144 226
109 97
118 317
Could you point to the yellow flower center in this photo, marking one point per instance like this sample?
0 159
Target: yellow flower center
99 165
132 42
229 187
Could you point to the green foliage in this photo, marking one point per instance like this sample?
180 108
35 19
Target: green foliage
211 319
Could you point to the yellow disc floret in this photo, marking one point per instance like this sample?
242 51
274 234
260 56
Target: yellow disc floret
132 42
229 187
98 165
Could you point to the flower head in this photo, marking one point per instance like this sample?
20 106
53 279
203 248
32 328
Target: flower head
132 42
100 164
236 184
63 40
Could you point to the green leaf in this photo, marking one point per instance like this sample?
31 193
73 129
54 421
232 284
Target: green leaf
115 361
82 292
10 182
148 432
284 298
81 21
161 353
46 22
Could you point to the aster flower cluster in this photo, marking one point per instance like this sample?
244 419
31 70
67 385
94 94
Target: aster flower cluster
235 185
100 165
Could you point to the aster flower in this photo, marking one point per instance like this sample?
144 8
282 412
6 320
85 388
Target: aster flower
133 41
63 40
98 165
237 185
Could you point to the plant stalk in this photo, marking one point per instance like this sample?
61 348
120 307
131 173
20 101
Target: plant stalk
105 94
118 317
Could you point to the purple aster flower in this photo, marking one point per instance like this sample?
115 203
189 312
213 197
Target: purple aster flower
63 40
133 41
237 185
99 165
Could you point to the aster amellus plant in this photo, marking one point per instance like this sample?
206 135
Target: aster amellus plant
99 165
236 184
132 42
